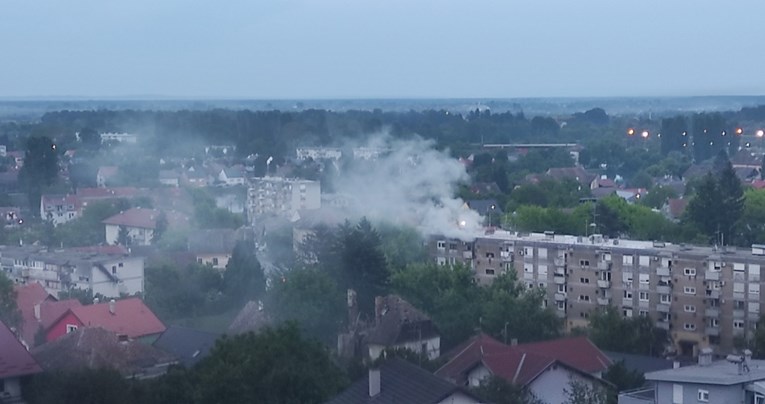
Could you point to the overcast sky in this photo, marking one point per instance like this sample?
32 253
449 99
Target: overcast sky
381 48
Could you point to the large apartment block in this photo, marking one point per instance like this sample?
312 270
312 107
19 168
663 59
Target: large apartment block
704 296
281 196
111 275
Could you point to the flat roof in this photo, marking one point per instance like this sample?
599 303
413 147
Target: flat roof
718 372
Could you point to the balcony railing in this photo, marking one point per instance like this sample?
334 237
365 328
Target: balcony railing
604 284
604 301
712 276
712 312
713 331
662 271
559 297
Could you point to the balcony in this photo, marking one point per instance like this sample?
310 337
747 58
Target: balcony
604 266
560 262
712 312
712 331
713 293
664 325
712 276
738 314
467 255
752 316
560 271
739 296
604 301
604 284
662 271
662 308
627 301
559 280
664 289
560 297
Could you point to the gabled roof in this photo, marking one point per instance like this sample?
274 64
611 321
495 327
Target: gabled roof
676 207
131 317
212 241
577 173
401 382
397 321
521 364
640 363
15 360
53 310
27 296
484 206
186 344
135 217
97 348
65 200
251 318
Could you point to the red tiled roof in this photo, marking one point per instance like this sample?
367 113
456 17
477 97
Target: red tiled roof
145 218
521 364
131 317
53 310
15 360
677 207
758 184
27 296
577 352
62 200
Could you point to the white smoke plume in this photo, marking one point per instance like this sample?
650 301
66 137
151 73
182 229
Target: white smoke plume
412 183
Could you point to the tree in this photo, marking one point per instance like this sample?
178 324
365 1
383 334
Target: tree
581 392
90 139
244 278
160 227
623 378
9 312
83 386
310 299
40 168
123 236
718 205
499 391
611 331
274 366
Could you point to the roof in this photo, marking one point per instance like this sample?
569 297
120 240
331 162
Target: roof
483 206
107 171
252 318
27 296
131 317
746 158
397 321
51 311
67 200
640 363
106 193
719 373
186 344
15 360
521 364
144 218
212 241
401 382
677 207
577 173
97 348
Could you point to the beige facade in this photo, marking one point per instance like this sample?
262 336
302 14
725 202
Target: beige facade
702 296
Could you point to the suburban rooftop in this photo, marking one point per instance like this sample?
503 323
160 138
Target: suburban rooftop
719 372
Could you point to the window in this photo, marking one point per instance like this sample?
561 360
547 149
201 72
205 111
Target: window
627 260
665 298
643 296
628 294
738 324
689 290
689 327
71 328
584 315
114 269
489 271
584 280
643 313
561 288
703 396
754 307
644 260
605 276
713 322
215 260
561 305
584 298
627 313
627 279
607 257
489 255
689 271
644 279
452 246
584 263
689 308
120 265
439 260
715 266
441 245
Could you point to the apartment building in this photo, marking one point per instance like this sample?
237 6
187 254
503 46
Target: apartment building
111 275
703 296
281 196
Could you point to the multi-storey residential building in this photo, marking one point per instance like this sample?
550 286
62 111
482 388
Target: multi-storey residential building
281 196
61 270
703 296
319 153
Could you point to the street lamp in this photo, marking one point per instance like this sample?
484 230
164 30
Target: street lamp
491 207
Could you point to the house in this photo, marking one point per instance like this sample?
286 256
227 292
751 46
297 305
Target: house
60 209
674 208
169 178
195 178
397 381
111 137
251 318
188 345
212 247
230 176
640 363
105 175
97 348
737 379
129 317
631 195
399 325
139 224
15 364
544 368
111 275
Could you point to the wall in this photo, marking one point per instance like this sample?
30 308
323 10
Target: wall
12 386
458 398
551 385
477 375
717 394
59 327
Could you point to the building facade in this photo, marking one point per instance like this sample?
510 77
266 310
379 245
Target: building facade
109 275
281 196
703 296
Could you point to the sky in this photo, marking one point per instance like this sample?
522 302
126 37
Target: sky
287 49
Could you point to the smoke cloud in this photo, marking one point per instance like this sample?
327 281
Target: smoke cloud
410 183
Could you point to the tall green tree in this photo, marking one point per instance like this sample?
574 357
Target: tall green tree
274 366
580 392
611 331
497 390
244 278
40 168
9 312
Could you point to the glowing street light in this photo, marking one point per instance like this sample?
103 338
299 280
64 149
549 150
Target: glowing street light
760 133
739 131
645 134
630 132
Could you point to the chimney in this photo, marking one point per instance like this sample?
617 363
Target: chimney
353 307
112 306
37 311
705 357
374 382
747 356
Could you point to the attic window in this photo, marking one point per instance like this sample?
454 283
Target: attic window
122 338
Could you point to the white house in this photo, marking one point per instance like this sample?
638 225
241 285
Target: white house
232 176
60 209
